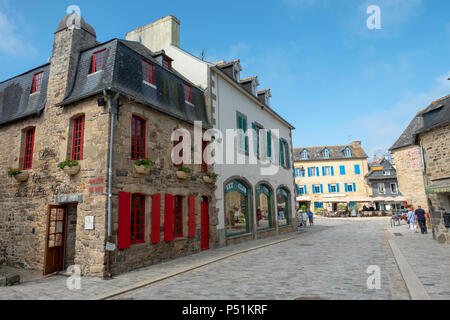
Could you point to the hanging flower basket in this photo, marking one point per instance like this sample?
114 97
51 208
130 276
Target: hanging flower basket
143 166
183 173
71 167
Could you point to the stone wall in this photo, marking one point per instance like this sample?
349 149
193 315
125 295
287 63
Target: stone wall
161 180
408 164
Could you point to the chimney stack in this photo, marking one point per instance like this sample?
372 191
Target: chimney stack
158 34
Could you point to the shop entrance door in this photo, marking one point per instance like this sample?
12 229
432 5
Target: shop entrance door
205 225
55 239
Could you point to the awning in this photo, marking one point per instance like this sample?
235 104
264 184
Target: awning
389 199
301 199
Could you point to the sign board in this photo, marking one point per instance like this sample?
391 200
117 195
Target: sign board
89 223
96 185
69 198
110 246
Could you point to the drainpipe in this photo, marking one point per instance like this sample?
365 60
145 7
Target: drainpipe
112 102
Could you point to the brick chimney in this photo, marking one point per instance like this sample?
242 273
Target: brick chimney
158 34
355 143
72 36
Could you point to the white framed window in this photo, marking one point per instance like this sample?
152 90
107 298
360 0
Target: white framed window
347 152
312 171
394 188
325 153
327 171
333 188
304 154
386 172
381 189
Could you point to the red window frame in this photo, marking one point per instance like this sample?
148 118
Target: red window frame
167 63
37 82
97 61
178 216
29 148
147 71
78 138
175 143
204 164
187 93
137 217
137 138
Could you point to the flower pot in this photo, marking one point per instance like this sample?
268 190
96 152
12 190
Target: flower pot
72 170
182 175
21 177
207 179
142 169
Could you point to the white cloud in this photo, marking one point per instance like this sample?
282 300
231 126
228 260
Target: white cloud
382 128
11 42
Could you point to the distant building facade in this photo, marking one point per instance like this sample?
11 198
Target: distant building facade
328 176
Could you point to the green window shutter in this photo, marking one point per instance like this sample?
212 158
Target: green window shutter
282 160
269 144
255 139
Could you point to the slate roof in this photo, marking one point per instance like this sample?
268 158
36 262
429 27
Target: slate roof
435 115
16 100
335 152
379 175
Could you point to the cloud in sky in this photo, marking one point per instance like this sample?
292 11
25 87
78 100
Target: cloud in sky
382 128
11 42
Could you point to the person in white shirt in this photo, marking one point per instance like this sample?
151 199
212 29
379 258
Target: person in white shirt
304 218
411 219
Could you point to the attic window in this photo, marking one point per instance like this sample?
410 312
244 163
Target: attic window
97 61
187 93
147 72
325 153
254 88
347 152
167 63
304 154
37 82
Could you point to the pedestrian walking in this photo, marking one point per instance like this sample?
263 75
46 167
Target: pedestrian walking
304 218
311 217
421 219
412 220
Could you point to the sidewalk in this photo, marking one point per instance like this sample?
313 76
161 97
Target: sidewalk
55 288
428 259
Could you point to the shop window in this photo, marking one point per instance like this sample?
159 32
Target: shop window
137 138
137 219
237 218
263 207
283 207
77 138
29 148
178 217
318 205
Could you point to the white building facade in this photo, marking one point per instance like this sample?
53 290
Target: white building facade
255 199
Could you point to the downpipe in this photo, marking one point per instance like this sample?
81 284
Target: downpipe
112 103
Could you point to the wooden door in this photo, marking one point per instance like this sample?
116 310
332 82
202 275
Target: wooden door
205 225
55 239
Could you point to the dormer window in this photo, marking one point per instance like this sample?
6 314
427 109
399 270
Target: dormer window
37 82
254 88
267 100
304 154
147 72
236 72
167 63
347 152
187 93
325 153
97 61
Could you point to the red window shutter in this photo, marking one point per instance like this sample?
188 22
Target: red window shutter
124 233
191 216
168 218
156 218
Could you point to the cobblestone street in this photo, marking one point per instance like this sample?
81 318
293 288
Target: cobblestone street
326 261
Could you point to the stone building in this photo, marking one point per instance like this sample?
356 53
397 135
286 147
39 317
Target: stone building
105 105
251 204
382 180
329 176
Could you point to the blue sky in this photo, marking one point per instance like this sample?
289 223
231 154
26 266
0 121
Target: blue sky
331 77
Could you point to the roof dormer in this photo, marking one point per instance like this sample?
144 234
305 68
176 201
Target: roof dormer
325 153
347 152
264 96
232 69
163 59
250 85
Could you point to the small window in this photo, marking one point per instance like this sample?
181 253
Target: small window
302 190
147 72
29 146
394 188
167 63
333 188
77 138
137 138
137 219
187 93
178 217
347 152
97 61
37 82
381 189
325 153
386 172
304 154
317 189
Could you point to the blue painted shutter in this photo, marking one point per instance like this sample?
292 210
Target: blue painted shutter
309 172
332 170
321 188
357 169
354 187
306 191
313 189
342 170
298 189
329 188
317 171
323 171
346 189
337 187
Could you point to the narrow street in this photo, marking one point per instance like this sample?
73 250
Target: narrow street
326 261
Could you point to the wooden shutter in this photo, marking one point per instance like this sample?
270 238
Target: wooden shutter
321 188
332 170
354 187
317 171
306 190
156 218
323 171
191 200
337 187
309 172
168 218
124 232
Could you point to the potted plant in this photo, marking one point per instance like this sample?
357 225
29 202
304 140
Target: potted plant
18 174
143 166
71 167
210 177
183 172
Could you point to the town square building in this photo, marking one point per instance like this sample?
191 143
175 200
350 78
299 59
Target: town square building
329 176
250 204
106 106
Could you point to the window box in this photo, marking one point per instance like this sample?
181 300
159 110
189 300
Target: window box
19 175
72 170
143 166
183 173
